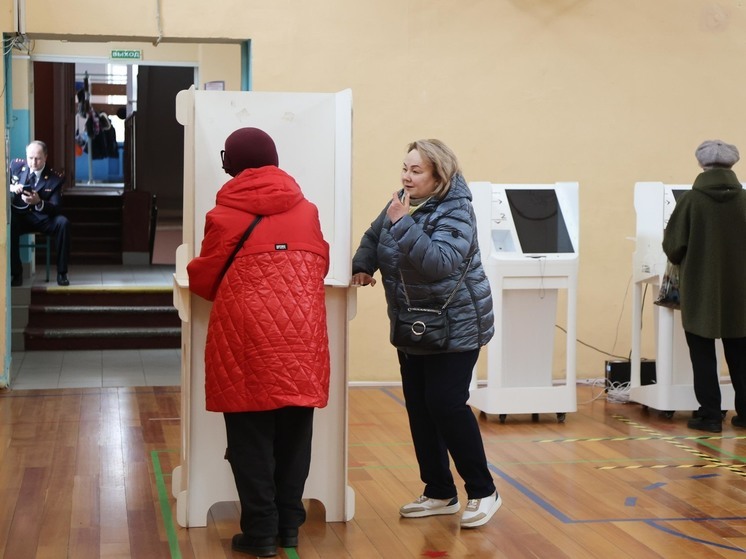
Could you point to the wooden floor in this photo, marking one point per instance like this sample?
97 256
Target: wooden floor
85 473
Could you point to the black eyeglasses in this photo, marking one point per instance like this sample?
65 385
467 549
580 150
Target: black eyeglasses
222 156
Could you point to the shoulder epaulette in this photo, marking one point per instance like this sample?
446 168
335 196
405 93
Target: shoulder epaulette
49 172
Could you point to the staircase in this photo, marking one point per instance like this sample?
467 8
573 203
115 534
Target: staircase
95 216
101 317
81 317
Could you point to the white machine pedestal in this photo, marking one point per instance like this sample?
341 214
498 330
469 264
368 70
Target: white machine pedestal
525 291
673 389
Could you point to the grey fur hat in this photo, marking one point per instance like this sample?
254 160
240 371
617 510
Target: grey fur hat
716 153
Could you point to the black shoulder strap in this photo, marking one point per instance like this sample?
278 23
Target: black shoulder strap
238 246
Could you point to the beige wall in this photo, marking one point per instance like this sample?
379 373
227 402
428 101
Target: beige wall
599 92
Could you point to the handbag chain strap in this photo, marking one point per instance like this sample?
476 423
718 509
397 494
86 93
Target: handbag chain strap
448 301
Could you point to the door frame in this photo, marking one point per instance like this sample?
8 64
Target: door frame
16 143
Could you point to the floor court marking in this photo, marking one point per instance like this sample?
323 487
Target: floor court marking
711 460
702 439
168 521
648 438
652 522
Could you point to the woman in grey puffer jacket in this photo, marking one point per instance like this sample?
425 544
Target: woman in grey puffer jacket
427 238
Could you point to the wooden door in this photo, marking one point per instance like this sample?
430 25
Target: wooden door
54 114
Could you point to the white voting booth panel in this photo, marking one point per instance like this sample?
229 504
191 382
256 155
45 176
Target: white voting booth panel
312 132
673 389
528 237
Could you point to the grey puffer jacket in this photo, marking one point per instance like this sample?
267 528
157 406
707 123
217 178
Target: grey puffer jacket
431 247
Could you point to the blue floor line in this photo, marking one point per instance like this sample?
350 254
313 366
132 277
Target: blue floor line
559 515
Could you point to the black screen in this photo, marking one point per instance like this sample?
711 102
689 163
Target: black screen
678 193
538 221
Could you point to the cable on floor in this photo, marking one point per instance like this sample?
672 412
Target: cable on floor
614 392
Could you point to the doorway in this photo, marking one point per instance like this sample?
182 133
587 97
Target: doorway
226 63
113 125
142 168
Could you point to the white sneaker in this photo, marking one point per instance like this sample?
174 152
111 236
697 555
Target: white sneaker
425 506
479 511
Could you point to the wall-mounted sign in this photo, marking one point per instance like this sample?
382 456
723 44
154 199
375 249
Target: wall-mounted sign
124 54
218 85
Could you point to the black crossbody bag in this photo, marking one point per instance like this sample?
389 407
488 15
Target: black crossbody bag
423 328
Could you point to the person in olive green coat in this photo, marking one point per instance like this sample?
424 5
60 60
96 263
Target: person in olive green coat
706 236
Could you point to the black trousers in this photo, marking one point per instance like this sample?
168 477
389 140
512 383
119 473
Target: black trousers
270 455
706 375
57 227
436 389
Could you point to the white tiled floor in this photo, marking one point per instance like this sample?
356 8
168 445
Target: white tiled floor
95 368
100 368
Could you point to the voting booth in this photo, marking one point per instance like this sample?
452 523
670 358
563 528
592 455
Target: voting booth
528 237
673 389
313 135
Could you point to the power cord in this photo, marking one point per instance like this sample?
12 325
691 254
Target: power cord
614 392
581 342
618 392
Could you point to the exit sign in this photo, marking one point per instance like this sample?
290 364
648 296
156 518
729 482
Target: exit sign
121 54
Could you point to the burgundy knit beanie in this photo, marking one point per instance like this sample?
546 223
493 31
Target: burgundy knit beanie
248 148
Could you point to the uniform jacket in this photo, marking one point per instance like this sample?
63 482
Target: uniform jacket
706 236
49 186
431 247
267 345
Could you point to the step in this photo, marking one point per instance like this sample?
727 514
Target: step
96 294
58 339
92 228
92 245
92 213
100 316
107 295
89 243
86 215
96 225
91 201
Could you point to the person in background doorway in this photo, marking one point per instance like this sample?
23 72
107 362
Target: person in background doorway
267 352
35 206
706 237
425 242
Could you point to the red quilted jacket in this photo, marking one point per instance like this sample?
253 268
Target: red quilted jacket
267 344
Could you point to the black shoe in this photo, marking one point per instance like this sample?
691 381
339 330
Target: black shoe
737 421
16 281
62 280
260 547
289 538
709 425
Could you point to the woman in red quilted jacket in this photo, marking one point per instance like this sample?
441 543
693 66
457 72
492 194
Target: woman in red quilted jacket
267 351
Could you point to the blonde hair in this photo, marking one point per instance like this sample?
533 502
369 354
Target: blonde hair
443 160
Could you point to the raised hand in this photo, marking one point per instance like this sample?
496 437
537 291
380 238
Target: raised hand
398 208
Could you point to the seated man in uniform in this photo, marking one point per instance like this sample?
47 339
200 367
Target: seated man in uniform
35 204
